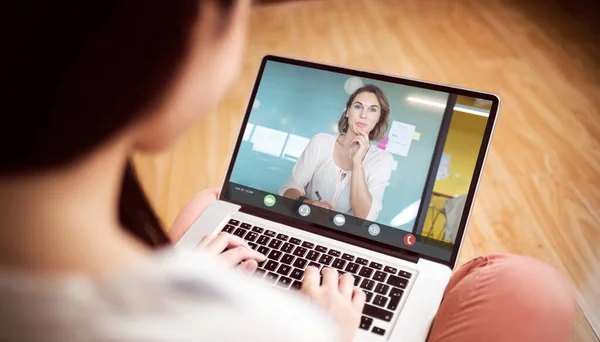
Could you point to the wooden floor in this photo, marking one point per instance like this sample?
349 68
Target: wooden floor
540 194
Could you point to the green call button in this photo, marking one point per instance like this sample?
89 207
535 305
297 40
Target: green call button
269 200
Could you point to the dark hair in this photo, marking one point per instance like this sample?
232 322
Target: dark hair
80 72
382 125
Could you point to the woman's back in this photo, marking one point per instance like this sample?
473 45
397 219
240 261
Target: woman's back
174 296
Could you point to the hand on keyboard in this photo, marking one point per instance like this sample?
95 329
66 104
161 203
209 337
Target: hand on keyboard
231 249
338 296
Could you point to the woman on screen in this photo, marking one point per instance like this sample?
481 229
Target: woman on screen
347 173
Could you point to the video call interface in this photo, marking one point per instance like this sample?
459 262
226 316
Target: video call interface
359 155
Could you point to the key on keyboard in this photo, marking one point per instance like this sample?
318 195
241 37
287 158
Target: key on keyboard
365 322
362 261
321 249
379 276
334 253
251 236
275 243
378 331
307 244
300 263
405 274
240 232
284 269
395 295
312 255
391 270
397 282
375 265
297 274
271 278
287 259
300 251
365 272
271 265
284 282
287 247
262 240
352 268
325 259
275 255
382 288
264 250
348 257
339 264
367 284
234 222
228 228
376 312
380 300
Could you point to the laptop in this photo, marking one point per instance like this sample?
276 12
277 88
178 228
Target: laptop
288 188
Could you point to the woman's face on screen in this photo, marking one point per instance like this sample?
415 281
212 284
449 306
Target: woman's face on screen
364 112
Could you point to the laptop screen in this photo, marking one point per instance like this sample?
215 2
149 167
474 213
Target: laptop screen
386 160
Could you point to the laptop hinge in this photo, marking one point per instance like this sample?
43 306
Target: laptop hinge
332 234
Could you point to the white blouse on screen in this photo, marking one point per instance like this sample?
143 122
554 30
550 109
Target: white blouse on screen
315 171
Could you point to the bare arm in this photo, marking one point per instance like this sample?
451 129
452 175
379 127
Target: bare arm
360 197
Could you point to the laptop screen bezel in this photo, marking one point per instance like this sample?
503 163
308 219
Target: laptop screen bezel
395 251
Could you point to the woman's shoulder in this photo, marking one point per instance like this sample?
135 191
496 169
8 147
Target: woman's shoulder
321 143
379 156
324 138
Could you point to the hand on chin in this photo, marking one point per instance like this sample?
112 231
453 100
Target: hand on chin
358 130
353 148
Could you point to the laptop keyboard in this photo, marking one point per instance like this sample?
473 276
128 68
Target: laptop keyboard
288 257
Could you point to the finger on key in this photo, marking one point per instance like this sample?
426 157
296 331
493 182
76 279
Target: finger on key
311 279
346 285
248 266
225 240
358 299
241 253
330 278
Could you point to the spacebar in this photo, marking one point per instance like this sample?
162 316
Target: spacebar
376 312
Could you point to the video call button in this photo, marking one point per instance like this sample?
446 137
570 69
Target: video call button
269 200
339 220
374 229
304 210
